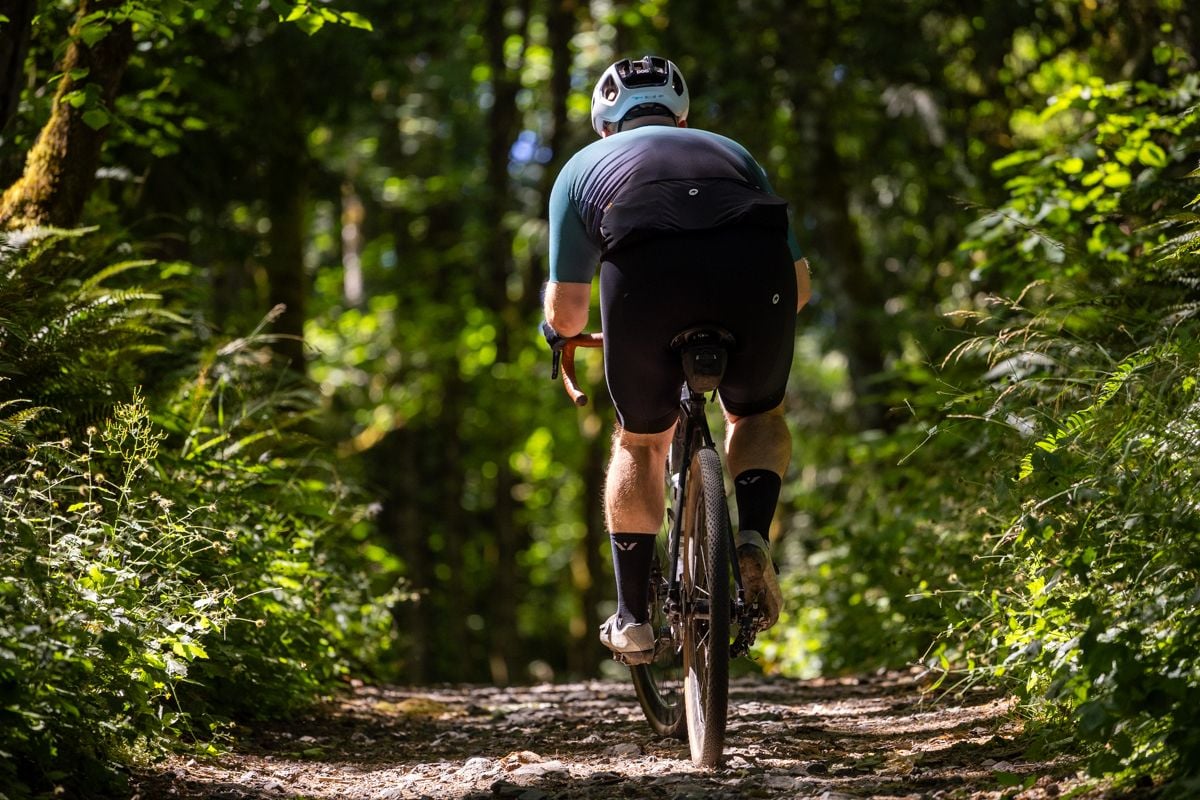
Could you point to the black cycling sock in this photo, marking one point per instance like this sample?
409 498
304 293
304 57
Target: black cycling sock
757 492
633 556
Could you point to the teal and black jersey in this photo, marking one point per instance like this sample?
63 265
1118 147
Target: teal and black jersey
650 181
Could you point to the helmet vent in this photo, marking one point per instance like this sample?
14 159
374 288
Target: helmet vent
609 90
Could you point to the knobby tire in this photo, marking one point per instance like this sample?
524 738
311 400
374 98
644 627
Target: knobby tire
705 553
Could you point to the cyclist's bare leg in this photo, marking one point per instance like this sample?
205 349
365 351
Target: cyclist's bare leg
758 444
758 441
634 507
633 492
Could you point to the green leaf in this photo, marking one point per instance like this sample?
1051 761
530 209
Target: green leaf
1152 155
1026 468
1071 166
93 33
96 118
1008 779
310 23
1014 160
354 20
1117 180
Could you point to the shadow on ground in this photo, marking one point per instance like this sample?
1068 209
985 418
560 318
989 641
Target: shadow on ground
877 737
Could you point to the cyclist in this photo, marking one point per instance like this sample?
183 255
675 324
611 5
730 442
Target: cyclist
685 229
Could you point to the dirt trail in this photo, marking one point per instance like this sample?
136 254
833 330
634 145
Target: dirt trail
875 737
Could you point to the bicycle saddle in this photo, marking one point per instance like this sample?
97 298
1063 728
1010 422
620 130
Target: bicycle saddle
704 351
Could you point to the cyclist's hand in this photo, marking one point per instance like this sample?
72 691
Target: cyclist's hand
553 338
557 342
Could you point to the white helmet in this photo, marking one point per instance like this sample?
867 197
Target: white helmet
626 85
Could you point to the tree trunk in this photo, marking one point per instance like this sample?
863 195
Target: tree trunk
286 198
856 293
505 645
413 539
456 637
14 43
560 27
353 215
503 121
61 168
589 576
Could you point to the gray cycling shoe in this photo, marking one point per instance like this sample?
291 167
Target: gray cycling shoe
758 575
632 643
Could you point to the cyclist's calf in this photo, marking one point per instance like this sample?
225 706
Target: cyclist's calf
633 490
758 441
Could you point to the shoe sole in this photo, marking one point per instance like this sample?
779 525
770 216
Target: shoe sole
757 586
634 659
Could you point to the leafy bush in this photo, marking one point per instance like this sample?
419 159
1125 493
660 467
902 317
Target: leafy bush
1091 417
101 616
162 570
1091 593
1034 521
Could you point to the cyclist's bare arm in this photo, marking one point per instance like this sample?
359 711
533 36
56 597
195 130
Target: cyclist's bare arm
803 284
566 306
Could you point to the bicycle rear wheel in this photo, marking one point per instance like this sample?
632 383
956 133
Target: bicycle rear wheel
704 550
659 685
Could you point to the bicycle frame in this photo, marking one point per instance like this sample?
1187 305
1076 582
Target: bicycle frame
693 431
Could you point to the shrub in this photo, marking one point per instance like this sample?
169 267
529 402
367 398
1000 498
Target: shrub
172 562
1089 595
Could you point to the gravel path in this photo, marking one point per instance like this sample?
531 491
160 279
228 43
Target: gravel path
876 737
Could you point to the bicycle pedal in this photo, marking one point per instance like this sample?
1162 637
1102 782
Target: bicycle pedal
637 659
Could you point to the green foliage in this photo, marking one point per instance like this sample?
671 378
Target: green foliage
163 570
53 303
102 614
1030 519
992 466
1088 596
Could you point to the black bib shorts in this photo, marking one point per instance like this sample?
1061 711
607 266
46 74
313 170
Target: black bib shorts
740 278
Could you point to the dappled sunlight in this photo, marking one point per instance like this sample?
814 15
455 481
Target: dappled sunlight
276 410
590 740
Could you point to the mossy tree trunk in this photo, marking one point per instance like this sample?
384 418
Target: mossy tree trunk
61 168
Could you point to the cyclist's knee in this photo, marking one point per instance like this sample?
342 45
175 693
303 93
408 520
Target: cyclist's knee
731 418
636 441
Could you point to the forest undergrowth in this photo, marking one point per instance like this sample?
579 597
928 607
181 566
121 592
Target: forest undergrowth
177 551
1033 523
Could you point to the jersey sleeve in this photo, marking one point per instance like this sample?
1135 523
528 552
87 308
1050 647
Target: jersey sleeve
573 256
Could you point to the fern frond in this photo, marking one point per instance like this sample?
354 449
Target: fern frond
115 269
13 424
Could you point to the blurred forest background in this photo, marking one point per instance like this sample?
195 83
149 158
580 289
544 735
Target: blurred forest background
274 410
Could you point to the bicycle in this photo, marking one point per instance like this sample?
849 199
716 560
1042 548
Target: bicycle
698 604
